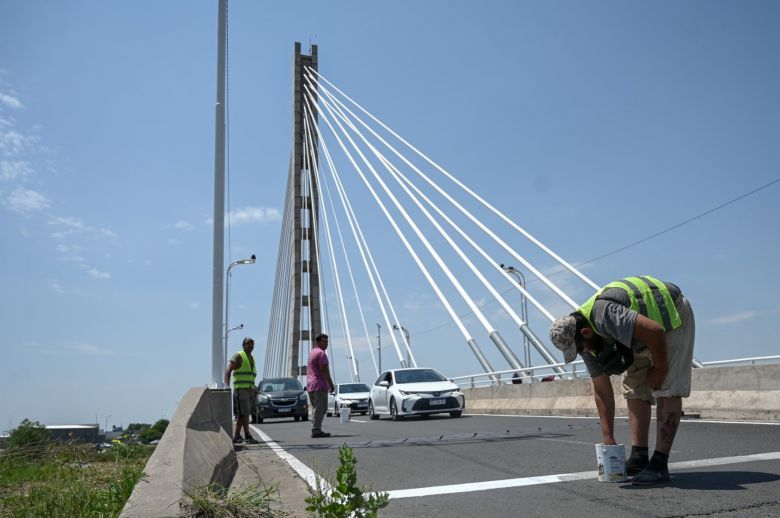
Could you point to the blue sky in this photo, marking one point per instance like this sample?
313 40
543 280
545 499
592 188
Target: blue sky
593 125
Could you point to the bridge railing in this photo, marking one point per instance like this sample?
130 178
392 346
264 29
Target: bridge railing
548 373
535 374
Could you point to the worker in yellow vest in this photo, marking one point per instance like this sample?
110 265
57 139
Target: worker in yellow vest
243 369
644 327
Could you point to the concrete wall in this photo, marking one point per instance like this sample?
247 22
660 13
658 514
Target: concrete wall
195 451
740 393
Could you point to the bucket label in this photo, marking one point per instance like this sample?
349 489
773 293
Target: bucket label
611 461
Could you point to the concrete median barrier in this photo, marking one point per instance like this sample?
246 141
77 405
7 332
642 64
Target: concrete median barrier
750 392
195 451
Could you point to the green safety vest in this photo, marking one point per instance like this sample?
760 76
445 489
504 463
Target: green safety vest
244 376
649 297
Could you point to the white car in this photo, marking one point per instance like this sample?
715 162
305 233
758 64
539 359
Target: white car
402 392
353 395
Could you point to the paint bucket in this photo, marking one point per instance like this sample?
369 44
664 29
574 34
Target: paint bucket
344 414
611 461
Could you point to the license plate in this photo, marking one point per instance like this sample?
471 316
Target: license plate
438 401
284 410
361 405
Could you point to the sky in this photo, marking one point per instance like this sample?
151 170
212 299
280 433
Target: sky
592 125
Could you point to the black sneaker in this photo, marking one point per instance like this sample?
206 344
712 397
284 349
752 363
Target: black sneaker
251 440
319 434
651 476
634 465
237 439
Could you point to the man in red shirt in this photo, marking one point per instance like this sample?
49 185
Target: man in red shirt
318 383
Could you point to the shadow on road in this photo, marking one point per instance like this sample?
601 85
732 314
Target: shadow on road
713 480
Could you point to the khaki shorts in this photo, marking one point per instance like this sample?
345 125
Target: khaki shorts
679 359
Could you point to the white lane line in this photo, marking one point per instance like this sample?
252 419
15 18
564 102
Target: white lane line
308 475
299 467
550 479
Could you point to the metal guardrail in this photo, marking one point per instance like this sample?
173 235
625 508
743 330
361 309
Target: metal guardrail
529 374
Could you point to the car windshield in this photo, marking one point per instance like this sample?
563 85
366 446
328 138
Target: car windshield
418 376
278 385
351 388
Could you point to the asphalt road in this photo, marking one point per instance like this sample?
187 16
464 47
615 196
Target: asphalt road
488 466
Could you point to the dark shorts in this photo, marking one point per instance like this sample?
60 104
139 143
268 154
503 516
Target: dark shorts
243 402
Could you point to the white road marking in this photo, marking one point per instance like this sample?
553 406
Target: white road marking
550 479
303 471
310 477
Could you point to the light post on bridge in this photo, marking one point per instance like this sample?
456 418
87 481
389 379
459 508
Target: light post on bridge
379 345
408 344
523 312
251 260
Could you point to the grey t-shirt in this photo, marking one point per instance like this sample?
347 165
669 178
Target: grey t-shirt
614 320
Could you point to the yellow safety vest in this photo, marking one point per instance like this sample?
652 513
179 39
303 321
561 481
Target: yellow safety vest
649 297
244 376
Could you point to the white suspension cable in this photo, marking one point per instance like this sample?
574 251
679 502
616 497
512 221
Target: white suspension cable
316 177
361 242
340 296
401 235
541 277
442 265
391 169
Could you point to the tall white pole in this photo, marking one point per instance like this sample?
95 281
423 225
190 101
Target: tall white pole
219 206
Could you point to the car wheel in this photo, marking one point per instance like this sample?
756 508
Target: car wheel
335 410
371 414
394 411
259 420
297 418
305 417
456 413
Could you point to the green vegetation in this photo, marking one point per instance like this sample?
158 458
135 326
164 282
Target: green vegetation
148 432
44 478
214 501
345 498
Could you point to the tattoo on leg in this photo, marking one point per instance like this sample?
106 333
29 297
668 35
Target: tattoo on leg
668 422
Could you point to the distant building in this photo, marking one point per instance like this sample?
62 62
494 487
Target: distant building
86 433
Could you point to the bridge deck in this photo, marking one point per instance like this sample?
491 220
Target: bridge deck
513 465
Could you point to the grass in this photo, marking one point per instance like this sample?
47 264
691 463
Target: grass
254 501
53 479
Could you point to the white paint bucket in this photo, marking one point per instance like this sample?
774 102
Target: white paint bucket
344 414
611 461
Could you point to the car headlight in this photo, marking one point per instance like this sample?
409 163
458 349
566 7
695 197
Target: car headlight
302 397
262 399
404 393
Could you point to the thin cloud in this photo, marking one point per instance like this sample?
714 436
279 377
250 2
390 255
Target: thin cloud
55 286
183 225
253 215
97 274
11 101
25 201
741 317
74 225
16 169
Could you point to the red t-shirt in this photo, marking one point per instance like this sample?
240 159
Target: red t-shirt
315 375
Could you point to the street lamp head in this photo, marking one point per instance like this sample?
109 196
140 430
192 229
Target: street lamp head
253 257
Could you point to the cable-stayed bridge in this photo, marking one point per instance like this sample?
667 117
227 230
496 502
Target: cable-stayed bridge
342 156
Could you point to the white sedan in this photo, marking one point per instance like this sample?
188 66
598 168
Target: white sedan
402 392
353 395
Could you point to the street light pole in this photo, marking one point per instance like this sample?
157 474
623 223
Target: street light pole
523 310
105 430
251 260
408 344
